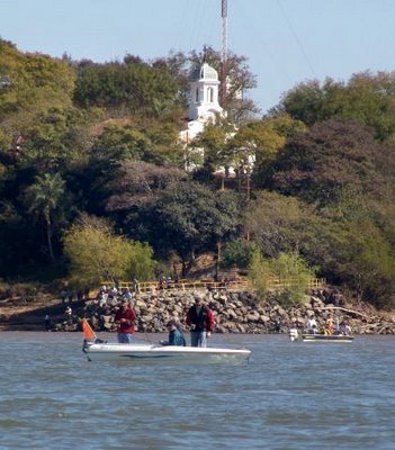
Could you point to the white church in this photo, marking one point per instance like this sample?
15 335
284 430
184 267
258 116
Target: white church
204 108
203 101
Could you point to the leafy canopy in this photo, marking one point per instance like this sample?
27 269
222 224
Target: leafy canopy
289 269
97 254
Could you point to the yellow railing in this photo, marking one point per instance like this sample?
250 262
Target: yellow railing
239 284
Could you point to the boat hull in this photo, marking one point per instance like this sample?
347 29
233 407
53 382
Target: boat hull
125 352
334 338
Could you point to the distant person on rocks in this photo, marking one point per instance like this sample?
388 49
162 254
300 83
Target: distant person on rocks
127 295
200 319
136 285
176 336
70 296
63 295
47 322
69 314
125 318
113 293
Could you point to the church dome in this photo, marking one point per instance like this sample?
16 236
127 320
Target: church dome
205 72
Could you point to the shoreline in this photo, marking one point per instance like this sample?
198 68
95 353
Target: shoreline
235 312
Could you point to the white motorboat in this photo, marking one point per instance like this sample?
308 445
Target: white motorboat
295 336
95 349
339 338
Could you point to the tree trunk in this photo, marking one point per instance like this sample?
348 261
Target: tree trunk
49 240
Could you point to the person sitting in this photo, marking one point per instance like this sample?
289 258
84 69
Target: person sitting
329 326
344 329
176 336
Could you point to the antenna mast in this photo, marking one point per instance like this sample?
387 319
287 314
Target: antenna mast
224 55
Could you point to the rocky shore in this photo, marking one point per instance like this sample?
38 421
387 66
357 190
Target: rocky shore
235 312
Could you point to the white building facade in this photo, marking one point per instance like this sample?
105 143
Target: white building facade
203 101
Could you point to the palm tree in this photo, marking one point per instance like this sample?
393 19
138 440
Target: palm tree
44 197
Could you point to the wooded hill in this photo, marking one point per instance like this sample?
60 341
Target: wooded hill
92 173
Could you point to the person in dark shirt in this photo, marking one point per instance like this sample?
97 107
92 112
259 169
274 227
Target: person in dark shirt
200 319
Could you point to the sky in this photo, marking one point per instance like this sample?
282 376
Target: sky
286 41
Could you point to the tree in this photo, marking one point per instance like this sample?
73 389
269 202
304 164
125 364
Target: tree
367 264
38 83
316 165
276 223
96 254
56 141
237 253
129 87
189 218
367 98
44 198
290 269
213 140
139 183
260 141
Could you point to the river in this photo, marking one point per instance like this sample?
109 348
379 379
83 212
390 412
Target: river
289 396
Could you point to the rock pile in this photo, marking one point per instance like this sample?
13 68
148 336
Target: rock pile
235 312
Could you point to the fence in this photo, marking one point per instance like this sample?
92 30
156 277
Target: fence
236 285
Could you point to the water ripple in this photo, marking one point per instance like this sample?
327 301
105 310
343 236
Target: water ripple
289 396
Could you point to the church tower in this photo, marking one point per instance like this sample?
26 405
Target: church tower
203 95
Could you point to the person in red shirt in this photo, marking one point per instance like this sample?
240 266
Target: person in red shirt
200 319
125 318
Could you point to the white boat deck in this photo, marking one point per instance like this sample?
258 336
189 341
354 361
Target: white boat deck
105 351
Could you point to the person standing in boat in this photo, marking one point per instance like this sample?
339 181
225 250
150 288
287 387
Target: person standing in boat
125 318
311 325
200 319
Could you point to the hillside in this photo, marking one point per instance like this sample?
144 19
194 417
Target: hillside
95 182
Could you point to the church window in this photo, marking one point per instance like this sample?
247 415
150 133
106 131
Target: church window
197 94
210 95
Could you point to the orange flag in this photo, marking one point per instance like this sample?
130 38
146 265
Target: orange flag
89 334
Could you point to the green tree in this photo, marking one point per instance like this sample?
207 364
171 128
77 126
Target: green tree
96 254
43 198
277 223
189 218
142 263
37 84
367 98
213 141
318 164
290 269
237 253
366 262
128 87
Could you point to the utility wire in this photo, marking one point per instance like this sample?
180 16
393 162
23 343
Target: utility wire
281 7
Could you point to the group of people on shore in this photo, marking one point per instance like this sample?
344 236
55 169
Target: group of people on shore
199 318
